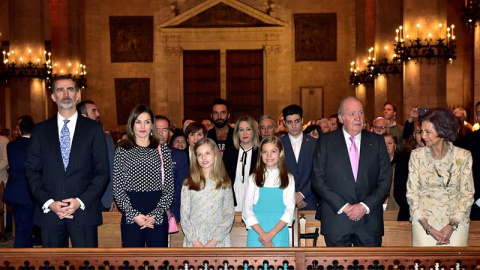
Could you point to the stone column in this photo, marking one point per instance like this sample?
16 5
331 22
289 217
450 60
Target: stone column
388 17
27 95
65 38
365 37
424 83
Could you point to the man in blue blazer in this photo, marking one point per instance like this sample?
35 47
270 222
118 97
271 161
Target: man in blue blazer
299 149
352 175
16 193
67 170
179 162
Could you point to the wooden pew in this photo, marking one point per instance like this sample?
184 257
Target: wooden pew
397 233
109 234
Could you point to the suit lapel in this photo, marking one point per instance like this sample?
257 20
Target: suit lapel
365 151
303 149
54 143
343 155
78 134
289 154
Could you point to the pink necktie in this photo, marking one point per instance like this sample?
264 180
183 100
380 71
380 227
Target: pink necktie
353 153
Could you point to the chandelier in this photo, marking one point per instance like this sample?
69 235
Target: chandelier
33 64
440 49
405 48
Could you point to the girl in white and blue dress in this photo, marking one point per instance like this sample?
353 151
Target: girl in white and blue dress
269 201
207 199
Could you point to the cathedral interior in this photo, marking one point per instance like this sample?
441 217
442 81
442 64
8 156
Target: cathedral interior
178 55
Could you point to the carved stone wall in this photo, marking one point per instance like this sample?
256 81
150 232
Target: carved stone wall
277 60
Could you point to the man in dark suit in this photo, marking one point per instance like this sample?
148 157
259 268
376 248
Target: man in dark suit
352 175
299 149
87 108
179 162
16 192
67 170
471 142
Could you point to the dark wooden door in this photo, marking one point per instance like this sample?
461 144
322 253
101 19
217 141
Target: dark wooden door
245 82
201 81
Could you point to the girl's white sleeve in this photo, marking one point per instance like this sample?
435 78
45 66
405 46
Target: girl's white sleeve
248 215
289 201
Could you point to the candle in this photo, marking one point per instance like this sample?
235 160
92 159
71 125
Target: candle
418 30
440 30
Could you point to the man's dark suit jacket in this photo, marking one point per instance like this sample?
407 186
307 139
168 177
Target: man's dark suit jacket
17 189
471 142
107 197
230 158
335 185
302 171
180 173
85 178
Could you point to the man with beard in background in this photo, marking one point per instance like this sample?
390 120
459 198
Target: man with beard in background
222 134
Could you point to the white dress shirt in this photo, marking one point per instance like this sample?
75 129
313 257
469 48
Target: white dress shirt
252 195
296 144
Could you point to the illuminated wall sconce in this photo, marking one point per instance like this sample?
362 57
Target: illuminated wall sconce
471 12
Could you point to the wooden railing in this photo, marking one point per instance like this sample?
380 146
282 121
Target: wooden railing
382 258
397 233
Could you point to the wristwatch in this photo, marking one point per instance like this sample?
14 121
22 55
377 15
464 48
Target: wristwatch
427 230
454 225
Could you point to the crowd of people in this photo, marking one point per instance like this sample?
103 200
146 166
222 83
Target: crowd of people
63 172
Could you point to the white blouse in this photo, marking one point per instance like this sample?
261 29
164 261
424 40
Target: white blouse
252 194
240 184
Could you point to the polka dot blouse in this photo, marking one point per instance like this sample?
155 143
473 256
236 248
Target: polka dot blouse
139 170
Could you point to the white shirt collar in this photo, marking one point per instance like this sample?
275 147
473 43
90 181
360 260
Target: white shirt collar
293 139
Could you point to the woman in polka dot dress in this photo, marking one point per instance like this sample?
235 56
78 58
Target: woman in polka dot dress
137 182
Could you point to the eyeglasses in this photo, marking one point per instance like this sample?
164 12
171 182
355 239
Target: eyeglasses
379 127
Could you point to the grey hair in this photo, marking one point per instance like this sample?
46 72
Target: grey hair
461 110
267 116
340 107
325 120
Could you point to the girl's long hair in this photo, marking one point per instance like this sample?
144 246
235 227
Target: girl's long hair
259 173
196 179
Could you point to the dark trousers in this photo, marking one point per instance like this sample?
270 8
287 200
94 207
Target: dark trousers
475 214
352 240
133 236
81 236
23 215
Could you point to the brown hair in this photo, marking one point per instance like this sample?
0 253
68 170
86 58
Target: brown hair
153 136
196 179
259 173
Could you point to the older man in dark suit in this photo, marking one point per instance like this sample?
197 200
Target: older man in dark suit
352 175
67 170
471 142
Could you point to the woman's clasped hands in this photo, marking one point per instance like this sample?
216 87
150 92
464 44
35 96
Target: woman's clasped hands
144 221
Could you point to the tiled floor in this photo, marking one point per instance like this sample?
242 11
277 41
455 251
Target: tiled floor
9 242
